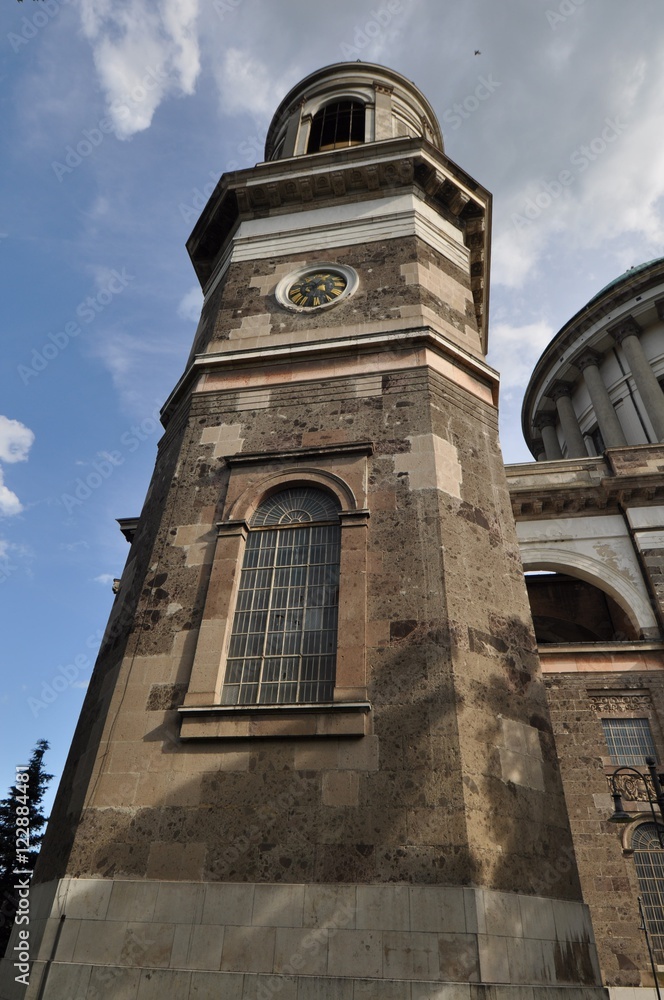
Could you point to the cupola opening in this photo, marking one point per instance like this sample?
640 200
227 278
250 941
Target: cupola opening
336 126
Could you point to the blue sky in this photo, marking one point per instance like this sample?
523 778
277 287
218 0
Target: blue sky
117 118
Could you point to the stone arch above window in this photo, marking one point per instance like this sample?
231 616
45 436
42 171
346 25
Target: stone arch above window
568 609
627 590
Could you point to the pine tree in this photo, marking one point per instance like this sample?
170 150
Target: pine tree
15 853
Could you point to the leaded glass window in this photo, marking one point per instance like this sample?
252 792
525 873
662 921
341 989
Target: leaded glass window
649 861
629 740
284 638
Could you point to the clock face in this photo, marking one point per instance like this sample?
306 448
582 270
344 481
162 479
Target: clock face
316 285
316 288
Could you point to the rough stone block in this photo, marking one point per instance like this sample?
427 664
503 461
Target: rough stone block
155 984
330 906
572 921
441 991
340 788
500 912
278 905
526 961
205 947
248 949
67 940
408 955
121 984
383 907
312 988
459 958
132 901
359 755
181 901
356 953
228 903
281 987
437 908
166 857
215 985
68 980
88 899
494 959
300 952
148 944
537 917
99 944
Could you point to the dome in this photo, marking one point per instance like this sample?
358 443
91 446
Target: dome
347 104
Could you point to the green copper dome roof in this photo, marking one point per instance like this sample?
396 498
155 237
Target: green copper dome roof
627 274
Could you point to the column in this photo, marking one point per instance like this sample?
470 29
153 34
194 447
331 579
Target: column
627 335
547 425
607 418
560 393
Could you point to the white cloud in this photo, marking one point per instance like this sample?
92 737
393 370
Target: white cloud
15 440
191 304
9 502
104 578
515 349
614 187
143 52
247 85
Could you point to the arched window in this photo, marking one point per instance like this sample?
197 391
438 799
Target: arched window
336 126
649 861
284 639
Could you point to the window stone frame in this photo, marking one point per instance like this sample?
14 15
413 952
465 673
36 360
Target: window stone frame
341 470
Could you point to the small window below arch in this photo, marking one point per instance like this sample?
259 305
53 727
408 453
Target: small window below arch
336 126
649 863
284 638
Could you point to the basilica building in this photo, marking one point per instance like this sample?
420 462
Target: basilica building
338 745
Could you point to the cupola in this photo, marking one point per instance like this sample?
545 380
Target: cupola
348 104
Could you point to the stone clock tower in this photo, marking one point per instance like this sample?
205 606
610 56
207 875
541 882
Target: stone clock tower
315 759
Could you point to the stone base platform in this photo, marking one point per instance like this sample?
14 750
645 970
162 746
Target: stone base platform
144 940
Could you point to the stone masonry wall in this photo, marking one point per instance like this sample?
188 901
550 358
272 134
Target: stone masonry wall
457 784
608 877
398 280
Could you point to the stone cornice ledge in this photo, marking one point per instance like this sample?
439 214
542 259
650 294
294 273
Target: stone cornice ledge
328 719
204 363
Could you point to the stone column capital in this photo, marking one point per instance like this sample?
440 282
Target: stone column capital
628 327
587 359
545 418
559 389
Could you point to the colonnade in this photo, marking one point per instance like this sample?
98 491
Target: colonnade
627 335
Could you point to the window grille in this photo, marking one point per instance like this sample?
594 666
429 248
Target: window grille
649 862
284 638
629 740
337 125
